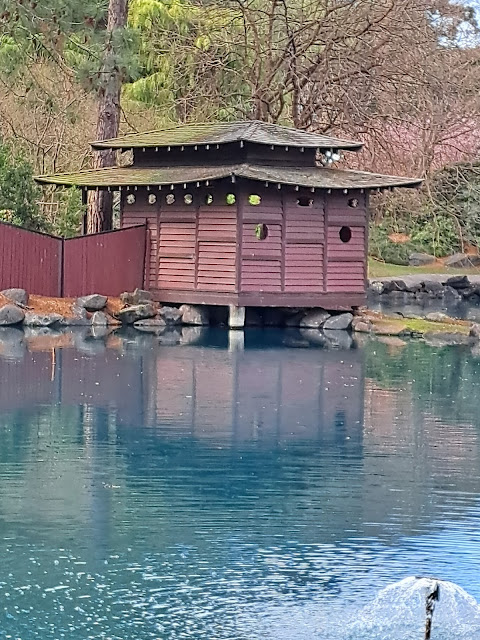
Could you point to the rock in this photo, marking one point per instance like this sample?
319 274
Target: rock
462 261
150 325
273 317
438 316
338 339
170 315
196 315
475 330
314 319
362 326
395 285
386 328
41 319
139 296
420 259
377 287
99 319
295 320
339 322
79 318
10 314
468 292
445 339
19 296
432 286
98 332
136 312
94 302
451 294
458 282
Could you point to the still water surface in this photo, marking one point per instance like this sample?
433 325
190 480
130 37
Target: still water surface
149 491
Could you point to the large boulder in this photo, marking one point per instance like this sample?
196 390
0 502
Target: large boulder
395 285
420 259
338 323
41 319
10 315
94 302
194 314
136 312
462 261
314 319
19 296
170 315
338 339
432 287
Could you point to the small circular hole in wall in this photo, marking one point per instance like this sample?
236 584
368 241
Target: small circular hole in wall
353 202
230 199
188 198
209 198
254 199
170 199
261 231
345 234
130 198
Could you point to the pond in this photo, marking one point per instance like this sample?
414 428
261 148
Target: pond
197 491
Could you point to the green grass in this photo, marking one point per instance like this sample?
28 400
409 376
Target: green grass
378 269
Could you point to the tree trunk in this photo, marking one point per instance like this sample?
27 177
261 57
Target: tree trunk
100 205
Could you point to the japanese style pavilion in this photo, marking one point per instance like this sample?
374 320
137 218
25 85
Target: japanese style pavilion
244 214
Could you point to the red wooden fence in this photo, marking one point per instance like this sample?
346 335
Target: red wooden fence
107 263
31 261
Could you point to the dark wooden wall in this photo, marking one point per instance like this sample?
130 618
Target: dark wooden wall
213 248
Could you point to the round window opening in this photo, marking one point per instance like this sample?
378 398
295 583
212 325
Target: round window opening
209 199
345 234
261 231
130 198
188 198
353 202
230 198
254 199
170 199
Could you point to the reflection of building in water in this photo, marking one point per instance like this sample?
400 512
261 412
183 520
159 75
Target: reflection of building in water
272 396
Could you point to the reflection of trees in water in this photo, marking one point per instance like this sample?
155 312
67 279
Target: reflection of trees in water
444 381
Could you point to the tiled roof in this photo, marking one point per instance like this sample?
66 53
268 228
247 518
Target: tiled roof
318 177
224 132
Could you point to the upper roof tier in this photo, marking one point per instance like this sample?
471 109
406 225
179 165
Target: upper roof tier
251 131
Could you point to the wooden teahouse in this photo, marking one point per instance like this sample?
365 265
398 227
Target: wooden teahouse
244 214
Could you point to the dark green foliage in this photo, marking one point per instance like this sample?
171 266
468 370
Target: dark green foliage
18 192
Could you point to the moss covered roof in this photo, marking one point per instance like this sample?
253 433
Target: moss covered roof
225 132
318 177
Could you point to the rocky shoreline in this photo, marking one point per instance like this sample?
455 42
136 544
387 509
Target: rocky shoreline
183 324
424 287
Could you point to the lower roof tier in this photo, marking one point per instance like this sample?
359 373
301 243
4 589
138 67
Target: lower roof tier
312 177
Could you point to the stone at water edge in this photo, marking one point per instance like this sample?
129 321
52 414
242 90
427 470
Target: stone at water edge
94 302
170 315
438 316
150 325
99 319
20 296
78 319
363 327
340 322
41 319
136 312
196 315
432 287
314 319
377 287
10 315
338 339
420 259
395 285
